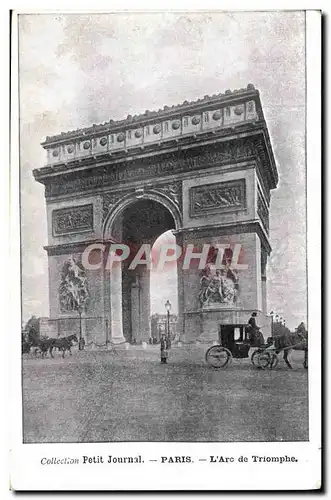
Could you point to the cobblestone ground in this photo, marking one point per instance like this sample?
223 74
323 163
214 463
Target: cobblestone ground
127 395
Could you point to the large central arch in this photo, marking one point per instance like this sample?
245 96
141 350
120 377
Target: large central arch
134 221
205 167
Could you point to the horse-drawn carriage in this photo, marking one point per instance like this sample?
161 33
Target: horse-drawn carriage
235 341
43 345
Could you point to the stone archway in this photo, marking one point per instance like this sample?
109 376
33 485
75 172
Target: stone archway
208 163
134 220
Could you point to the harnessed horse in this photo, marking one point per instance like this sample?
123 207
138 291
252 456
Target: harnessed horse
63 344
297 341
43 346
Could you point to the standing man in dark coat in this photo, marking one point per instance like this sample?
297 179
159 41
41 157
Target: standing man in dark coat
165 346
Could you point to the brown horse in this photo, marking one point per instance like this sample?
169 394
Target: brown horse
298 341
42 346
63 344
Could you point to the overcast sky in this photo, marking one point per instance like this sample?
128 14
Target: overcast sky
76 70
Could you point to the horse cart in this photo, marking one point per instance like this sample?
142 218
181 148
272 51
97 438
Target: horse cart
235 341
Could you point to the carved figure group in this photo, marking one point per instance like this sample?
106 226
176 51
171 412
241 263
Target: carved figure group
73 291
218 286
218 198
72 219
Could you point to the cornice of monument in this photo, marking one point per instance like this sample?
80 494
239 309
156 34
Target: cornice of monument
75 246
228 97
210 121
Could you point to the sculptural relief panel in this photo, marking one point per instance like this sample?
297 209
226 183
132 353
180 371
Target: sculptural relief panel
73 290
72 220
218 286
217 198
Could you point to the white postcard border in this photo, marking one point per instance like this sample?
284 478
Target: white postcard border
27 473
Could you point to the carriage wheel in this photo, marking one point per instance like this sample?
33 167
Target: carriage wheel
255 357
218 356
268 360
37 351
264 360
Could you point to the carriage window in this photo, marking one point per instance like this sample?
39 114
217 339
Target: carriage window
129 134
206 117
185 121
237 334
228 111
166 126
147 130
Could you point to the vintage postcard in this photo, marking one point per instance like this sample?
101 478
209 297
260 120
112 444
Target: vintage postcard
166 185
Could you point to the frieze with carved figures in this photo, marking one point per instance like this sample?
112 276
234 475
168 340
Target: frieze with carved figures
72 220
216 198
229 152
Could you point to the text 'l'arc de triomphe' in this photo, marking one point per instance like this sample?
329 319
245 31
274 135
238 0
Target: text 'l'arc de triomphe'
203 169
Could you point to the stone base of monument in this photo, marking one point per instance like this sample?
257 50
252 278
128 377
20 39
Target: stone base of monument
123 346
118 340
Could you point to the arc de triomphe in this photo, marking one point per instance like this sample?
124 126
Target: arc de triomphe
203 169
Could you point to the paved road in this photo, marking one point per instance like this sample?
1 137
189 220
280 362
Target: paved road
100 396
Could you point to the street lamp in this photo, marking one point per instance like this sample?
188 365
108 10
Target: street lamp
167 305
272 321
